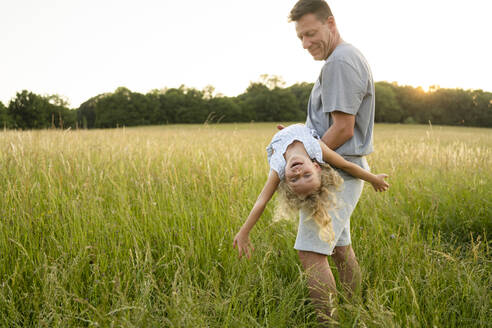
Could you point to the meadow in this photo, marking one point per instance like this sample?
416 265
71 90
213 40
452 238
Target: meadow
133 227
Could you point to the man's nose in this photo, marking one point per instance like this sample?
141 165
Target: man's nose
306 43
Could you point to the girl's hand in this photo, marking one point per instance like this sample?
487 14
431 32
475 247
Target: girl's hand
243 245
379 184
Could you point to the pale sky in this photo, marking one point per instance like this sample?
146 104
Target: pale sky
79 49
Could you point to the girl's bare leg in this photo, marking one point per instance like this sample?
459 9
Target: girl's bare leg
321 283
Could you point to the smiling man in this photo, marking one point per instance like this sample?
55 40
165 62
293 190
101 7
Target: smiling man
341 110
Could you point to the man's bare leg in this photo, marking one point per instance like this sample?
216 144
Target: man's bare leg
321 283
348 268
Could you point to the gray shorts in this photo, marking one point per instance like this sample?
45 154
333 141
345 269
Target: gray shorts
307 234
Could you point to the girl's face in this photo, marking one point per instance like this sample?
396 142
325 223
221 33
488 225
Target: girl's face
302 175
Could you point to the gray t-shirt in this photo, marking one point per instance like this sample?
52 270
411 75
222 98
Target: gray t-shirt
345 84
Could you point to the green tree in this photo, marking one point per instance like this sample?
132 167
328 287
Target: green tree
184 105
29 111
192 108
452 106
413 103
262 104
121 108
4 117
480 112
61 115
86 113
224 109
272 81
159 112
387 107
302 91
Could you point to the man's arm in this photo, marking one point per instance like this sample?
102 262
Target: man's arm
340 131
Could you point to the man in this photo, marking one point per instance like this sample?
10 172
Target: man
341 110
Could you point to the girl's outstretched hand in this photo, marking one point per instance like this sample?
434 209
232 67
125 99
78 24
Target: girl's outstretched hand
244 247
379 184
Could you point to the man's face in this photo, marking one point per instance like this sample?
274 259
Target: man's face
316 36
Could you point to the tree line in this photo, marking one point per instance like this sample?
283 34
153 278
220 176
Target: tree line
266 100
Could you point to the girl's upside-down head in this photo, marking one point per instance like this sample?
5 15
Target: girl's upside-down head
311 186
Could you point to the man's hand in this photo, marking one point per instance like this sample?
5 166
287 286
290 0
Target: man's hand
280 127
379 184
243 245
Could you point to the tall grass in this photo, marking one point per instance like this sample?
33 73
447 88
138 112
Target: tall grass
134 227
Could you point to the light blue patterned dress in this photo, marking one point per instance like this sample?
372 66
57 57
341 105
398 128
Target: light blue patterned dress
282 139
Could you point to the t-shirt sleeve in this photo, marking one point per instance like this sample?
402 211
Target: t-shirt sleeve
313 148
342 88
277 164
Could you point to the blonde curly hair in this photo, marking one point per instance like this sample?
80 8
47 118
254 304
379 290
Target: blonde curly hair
317 203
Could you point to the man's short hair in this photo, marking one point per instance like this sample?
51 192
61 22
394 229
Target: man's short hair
317 7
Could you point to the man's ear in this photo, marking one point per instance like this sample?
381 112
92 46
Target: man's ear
331 22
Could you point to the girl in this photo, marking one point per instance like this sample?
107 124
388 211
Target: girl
297 168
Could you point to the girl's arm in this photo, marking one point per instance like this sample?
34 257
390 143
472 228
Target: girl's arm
241 240
331 157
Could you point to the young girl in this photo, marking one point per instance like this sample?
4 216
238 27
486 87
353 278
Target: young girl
297 168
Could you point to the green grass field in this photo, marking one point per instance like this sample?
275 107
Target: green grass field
134 228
